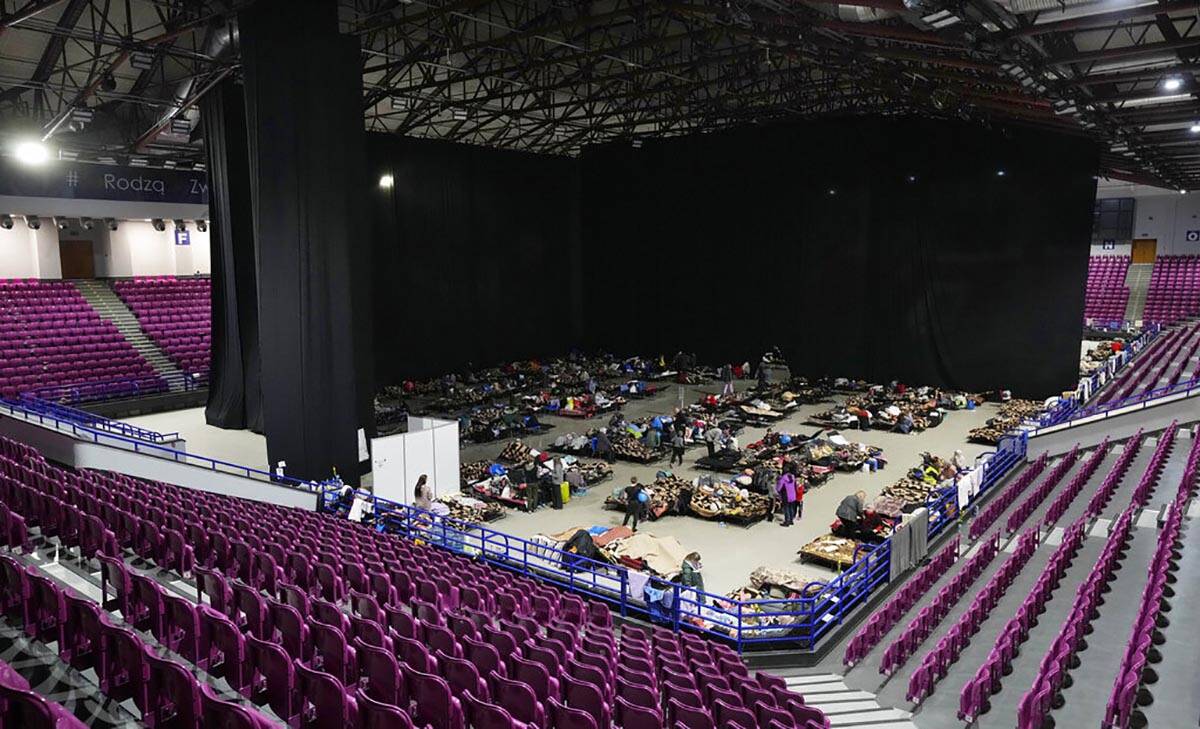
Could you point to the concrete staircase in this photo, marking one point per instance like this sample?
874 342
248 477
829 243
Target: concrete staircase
1137 280
847 707
109 306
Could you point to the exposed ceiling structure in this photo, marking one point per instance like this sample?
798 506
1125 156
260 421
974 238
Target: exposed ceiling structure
118 78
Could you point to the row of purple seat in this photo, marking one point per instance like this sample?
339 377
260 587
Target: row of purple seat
1106 293
922 626
222 537
936 663
22 707
973 700
51 336
1034 707
1158 461
176 314
986 681
990 513
1130 677
1063 501
1174 290
1112 479
1039 493
885 618
1168 356
165 691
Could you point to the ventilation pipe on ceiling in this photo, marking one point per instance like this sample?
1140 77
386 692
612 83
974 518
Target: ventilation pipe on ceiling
1021 7
218 40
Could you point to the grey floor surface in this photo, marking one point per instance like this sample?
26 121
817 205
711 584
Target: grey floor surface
730 552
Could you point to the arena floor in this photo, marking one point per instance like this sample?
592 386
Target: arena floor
730 553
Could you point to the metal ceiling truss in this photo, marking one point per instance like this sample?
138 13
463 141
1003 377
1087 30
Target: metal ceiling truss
550 76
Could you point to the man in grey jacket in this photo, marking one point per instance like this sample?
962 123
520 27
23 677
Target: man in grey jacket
850 513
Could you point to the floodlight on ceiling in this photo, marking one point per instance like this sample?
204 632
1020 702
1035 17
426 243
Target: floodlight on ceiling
87 223
181 125
1195 128
386 182
1173 83
180 225
111 223
61 223
6 221
202 225
159 224
31 152
142 61
33 221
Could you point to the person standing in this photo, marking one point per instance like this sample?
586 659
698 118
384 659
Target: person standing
690 575
786 488
727 379
711 437
677 445
633 502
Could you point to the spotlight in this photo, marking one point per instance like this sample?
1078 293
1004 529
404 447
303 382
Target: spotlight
1173 83
34 222
386 182
111 223
1000 173
202 226
1195 128
87 223
31 152
61 223
832 191
159 224
108 83
912 178
6 222
180 225
1183 192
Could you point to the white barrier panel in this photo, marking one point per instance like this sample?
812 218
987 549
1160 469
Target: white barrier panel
430 448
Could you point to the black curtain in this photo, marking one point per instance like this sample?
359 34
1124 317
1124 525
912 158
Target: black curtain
306 145
477 256
876 248
234 394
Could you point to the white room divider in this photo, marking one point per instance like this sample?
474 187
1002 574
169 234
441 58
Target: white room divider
430 447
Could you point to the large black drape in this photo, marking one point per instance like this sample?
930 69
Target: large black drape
477 256
877 248
234 394
303 103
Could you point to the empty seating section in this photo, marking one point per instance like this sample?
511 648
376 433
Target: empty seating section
175 313
1174 291
50 336
1165 363
1037 569
1106 295
325 623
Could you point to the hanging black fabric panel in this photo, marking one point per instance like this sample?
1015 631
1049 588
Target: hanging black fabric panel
873 248
302 88
234 395
477 256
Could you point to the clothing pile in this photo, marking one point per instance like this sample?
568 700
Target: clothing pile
910 492
664 496
728 501
756 618
470 510
1010 416
515 452
830 550
572 443
852 456
626 447
593 472
473 471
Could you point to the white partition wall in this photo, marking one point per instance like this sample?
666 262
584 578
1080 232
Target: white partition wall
430 447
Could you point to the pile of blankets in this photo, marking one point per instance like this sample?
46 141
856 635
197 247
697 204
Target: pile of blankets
1011 415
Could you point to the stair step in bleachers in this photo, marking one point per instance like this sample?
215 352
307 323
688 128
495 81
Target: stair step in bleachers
176 314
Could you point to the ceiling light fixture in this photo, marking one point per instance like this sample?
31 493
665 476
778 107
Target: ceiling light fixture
31 152
1174 83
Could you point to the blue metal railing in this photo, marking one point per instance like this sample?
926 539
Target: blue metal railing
120 388
92 420
1183 389
103 437
773 622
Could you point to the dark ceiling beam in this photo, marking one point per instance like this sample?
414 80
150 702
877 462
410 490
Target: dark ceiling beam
33 9
54 48
1146 74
